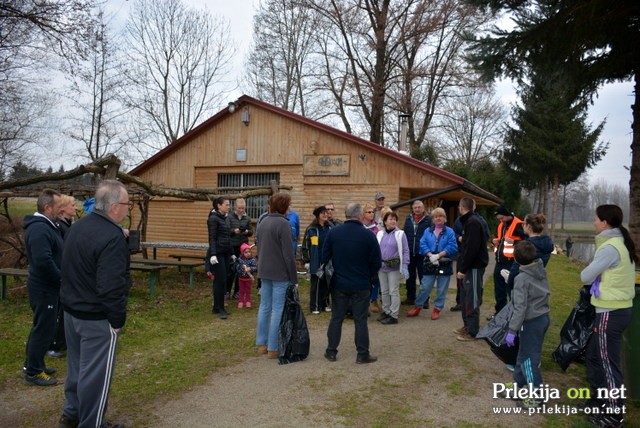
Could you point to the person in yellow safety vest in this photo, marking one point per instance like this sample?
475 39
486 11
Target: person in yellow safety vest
510 230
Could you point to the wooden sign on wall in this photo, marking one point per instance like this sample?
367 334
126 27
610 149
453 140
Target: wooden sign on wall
326 165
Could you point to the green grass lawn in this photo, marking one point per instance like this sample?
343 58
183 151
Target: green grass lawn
168 344
19 207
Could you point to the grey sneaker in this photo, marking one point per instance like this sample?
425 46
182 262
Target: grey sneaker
41 379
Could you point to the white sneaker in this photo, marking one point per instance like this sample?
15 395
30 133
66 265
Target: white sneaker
327 309
315 312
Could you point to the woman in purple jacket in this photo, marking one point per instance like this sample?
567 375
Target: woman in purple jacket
395 261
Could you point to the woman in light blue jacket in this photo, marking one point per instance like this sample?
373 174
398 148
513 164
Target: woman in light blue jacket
438 245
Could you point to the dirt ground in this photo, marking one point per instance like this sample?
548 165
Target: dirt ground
423 373
423 377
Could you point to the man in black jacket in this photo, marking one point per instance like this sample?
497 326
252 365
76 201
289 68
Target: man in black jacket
95 288
355 254
472 261
414 226
43 244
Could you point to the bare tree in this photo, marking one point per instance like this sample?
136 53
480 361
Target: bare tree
603 192
375 59
431 68
471 127
32 33
177 60
278 66
94 94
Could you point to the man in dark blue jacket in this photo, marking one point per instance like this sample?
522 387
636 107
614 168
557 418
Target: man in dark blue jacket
414 226
43 244
94 293
355 255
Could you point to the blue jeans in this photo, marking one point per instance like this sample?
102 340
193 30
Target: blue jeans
427 285
531 338
272 298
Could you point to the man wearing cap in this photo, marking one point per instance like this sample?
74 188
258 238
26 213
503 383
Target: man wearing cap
510 230
314 238
379 199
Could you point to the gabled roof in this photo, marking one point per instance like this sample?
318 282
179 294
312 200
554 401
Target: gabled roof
459 182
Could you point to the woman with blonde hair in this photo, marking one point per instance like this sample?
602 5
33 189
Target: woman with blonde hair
371 224
437 245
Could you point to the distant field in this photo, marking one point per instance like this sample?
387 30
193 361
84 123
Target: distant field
19 207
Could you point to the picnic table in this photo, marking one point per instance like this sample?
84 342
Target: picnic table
169 263
173 244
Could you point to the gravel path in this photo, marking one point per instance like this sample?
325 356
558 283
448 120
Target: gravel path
423 377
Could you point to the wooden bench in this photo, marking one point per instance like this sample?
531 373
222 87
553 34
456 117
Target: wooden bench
187 256
25 273
153 270
10 272
168 263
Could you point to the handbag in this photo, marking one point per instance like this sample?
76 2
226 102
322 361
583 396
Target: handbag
393 262
444 263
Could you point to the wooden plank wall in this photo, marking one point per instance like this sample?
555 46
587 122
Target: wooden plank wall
275 143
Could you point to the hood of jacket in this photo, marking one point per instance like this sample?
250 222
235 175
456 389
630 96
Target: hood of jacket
30 220
535 269
543 243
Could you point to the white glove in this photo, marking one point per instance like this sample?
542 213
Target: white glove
433 258
505 274
405 271
233 258
213 260
306 266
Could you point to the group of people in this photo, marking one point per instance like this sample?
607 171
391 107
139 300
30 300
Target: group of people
424 250
84 270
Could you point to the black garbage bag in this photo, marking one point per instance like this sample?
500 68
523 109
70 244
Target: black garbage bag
495 333
576 331
506 354
293 334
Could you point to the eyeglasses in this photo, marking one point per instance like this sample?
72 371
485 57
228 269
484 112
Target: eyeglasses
129 204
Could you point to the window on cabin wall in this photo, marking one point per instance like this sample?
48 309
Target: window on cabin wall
256 205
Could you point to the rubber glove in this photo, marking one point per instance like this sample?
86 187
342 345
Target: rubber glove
233 258
510 339
306 266
213 260
505 274
405 271
595 287
433 258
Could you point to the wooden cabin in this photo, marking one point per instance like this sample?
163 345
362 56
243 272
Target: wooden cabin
251 143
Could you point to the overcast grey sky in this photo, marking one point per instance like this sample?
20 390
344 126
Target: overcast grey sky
613 101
